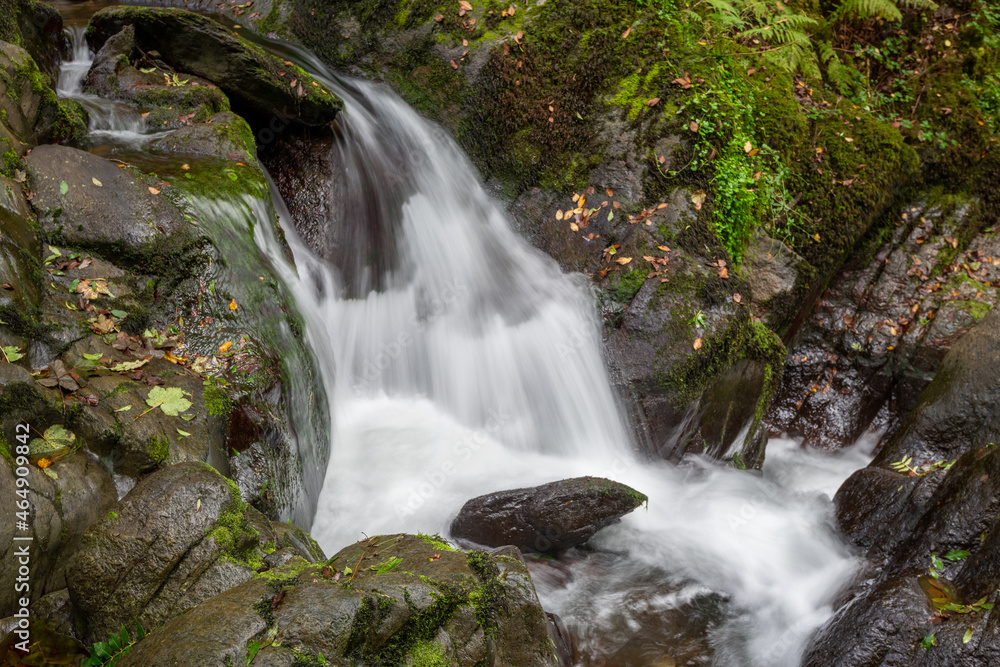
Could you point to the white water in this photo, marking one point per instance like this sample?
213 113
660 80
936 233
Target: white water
109 121
477 366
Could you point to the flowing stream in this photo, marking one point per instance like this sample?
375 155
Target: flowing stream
462 361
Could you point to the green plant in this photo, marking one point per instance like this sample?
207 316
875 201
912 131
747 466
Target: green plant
108 653
698 320
905 465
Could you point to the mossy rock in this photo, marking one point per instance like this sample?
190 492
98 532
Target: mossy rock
389 600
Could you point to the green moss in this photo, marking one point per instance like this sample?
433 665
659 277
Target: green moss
159 448
112 514
436 542
624 287
977 309
428 654
217 401
4 448
70 124
11 161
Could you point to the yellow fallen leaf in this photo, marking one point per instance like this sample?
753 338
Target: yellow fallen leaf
185 166
233 305
154 191
737 298
559 214
816 237
97 183
663 248
698 198
697 343
747 147
225 346
575 227
174 360
44 463
623 260
465 5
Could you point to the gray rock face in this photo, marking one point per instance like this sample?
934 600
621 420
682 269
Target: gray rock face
119 214
549 517
61 510
179 537
882 328
389 600
948 504
198 45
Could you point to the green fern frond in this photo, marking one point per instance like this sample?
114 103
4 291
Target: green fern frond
887 10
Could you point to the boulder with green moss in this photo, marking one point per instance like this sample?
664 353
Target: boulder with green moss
388 600
181 536
254 80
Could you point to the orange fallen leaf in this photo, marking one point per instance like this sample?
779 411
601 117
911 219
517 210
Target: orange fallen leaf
693 126
627 32
225 346
697 343
233 305
574 227
44 463
663 248
610 192
653 102
465 5
454 65
623 260
154 191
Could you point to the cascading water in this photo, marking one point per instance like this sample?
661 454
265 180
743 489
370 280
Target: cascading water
458 360
466 362
109 120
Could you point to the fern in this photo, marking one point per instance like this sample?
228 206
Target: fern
887 10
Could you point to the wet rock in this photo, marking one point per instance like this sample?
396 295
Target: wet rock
254 81
61 510
170 99
549 517
409 602
31 111
213 138
179 537
943 507
772 270
38 27
120 216
19 252
882 328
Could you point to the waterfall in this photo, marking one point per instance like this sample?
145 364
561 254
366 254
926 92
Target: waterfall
459 360
463 361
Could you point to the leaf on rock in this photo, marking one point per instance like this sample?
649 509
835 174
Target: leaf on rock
169 399
57 439
63 188
697 343
12 353
698 198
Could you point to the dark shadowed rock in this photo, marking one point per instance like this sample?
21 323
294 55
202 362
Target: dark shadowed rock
195 44
389 600
549 517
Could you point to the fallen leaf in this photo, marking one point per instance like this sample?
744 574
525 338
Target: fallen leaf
693 126
697 343
623 260
747 147
154 191
559 214
737 298
454 65
97 182
465 5
233 305
627 32
610 192
653 102
225 346
698 198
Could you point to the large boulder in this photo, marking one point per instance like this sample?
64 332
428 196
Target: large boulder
85 200
388 600
181 536
549 517
254 80
928 500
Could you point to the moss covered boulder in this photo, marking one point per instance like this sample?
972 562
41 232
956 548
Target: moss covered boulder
181 536
388 600
255 81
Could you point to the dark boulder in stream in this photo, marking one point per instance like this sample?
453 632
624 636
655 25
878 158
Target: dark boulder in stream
925 511
195 44
549 517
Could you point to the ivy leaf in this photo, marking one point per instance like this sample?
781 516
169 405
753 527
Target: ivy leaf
12 353
957 554
171 400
